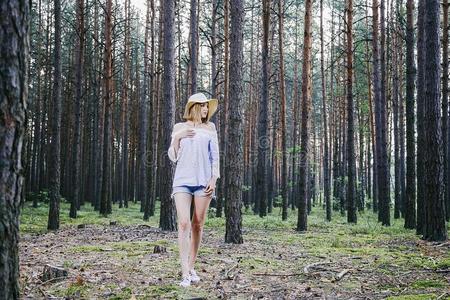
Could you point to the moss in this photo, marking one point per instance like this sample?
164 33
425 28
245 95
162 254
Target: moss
443 264
125 293
428 283
413 297
34 220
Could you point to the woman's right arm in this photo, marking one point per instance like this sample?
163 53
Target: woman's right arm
174 148
178 133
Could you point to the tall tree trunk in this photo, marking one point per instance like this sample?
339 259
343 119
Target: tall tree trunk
306 106
213 88
123 177
395 107
224 114
143 124
79 63
434 223
263 142
351 202
14 61
326 178
108 101
167 220
295 121
193 48
55 166
383 162
410 199
445 117
284 176
420 116
233 233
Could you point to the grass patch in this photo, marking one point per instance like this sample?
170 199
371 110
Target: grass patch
424 284
413 297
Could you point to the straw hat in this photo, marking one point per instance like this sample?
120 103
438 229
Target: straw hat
201 98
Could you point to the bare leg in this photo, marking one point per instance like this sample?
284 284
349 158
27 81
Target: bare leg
183 206
198 220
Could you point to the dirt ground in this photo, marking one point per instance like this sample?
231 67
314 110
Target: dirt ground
117 262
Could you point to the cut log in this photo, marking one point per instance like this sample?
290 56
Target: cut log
52 272
159 249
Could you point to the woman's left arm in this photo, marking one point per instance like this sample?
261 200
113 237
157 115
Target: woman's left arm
215 159
215 162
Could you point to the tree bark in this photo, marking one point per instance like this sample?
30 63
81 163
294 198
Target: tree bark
167 219
284 175
326 178
193 48
55 166
79 63
434 223
420 116
410 199
306 106
263 142
14 61
233 233
445 117
351 203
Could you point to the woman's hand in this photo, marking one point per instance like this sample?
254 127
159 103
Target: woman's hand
210 187
186 133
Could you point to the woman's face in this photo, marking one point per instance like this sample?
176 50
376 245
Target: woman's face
204 109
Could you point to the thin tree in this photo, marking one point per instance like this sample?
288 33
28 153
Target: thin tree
14 60
351 202
410 199
167 220
306 106
193 48
263 134
235 144
105 202
284 172
78 66
420 117
55 166
326 178
143 195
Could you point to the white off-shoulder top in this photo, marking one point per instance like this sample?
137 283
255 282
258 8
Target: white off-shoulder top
197 158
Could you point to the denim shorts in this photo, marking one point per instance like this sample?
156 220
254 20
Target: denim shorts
193 190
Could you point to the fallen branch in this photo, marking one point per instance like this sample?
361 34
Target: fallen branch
268 274
341 275
229 270
307 267
443 244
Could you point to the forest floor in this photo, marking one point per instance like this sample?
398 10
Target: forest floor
332 260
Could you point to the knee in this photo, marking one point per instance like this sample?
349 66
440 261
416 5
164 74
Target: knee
184 225
197 225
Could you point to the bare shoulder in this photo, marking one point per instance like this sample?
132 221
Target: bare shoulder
178 126
211 125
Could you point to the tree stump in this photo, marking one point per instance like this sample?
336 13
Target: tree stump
52 272
159 249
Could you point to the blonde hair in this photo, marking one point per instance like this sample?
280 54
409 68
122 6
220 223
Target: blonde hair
195 114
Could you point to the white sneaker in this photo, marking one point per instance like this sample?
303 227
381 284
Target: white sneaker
194 276
186 281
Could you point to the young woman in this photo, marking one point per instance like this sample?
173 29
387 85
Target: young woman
195 150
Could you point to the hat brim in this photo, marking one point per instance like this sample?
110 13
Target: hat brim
212 106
